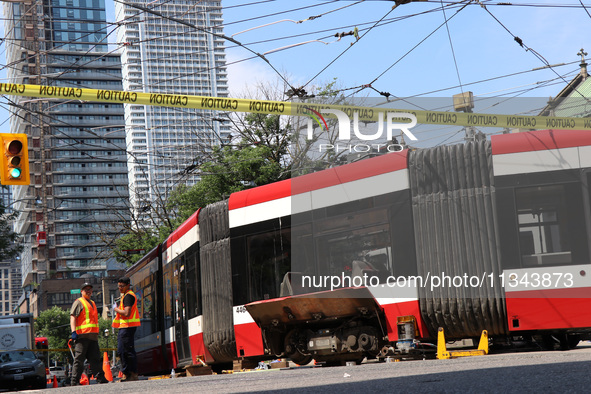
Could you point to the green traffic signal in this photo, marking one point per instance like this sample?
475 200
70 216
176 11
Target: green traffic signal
15 173
15 147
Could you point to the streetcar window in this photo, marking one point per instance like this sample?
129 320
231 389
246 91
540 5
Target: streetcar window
268 261
359 252
303 259
347 246
192 282
168 292
144 288
550 224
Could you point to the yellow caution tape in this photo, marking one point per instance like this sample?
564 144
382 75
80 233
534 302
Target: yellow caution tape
159 99
288 108
456 118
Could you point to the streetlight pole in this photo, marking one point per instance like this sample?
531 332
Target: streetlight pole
112 328
107 336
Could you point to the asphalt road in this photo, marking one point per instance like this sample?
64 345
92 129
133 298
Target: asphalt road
531 372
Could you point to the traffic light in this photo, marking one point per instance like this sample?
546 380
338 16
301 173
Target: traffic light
15 159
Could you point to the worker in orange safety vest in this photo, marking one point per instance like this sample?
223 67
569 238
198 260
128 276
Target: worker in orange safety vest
84 326
127 320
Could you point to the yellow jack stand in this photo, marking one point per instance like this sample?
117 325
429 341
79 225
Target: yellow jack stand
443 353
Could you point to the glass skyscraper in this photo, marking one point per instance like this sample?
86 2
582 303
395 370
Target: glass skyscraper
78 198
161 55
78 25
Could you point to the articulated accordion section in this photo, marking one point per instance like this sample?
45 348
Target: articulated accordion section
455 227
218 326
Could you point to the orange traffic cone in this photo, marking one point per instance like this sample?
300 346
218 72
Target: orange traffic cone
54 385
84 380
120 374
107 368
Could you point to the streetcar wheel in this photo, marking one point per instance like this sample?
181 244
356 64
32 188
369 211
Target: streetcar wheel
300 359
568 341
548 342
573 341
294 341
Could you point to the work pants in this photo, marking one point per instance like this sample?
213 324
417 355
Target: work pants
87 349
126 350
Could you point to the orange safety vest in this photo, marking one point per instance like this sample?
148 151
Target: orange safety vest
87 320
133 320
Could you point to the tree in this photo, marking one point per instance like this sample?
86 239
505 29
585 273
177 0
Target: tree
265 148
104 341
262 149
304 153
9 247
54 324
130 247
257 159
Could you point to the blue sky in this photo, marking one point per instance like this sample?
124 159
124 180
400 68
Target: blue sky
483 48
412 55
552 31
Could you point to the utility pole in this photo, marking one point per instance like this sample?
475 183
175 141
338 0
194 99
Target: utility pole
464 102
42 268
33 41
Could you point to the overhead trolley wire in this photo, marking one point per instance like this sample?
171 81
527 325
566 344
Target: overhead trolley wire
386 94
109 33
520 42
350 46
452 47
78 140
585 8
417 45
208 32
277 13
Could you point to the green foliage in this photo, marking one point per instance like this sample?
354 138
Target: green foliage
328 90
9 245
265 148
111 340
54 324
128 247
231 169
259 158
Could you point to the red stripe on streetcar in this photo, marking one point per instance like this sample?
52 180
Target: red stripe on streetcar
539 140
568 292
198 349
183 229
548 313
257 195
391 162
351 172
249 340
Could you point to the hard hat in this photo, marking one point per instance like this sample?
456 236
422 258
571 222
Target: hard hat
85 284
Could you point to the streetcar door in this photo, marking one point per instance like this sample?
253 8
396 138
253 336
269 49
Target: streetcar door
181 326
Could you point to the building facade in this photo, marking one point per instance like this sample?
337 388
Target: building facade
161 55
10 287
78 200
